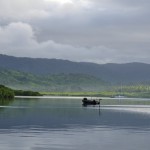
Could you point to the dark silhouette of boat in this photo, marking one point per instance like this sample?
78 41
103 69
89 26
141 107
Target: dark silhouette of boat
91 102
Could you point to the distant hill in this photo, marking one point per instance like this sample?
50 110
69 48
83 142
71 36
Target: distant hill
115 73
60 82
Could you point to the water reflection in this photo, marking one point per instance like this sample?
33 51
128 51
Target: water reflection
60 124
63 114
4 102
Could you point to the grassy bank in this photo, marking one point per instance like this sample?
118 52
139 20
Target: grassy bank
100 94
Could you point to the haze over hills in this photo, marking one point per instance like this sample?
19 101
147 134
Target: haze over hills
60 82
130 72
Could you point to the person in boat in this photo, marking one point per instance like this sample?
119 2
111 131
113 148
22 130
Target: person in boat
86 101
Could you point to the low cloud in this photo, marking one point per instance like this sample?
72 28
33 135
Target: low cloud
19 40
99 31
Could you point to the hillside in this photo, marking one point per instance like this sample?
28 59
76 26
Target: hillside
6 93
116 73
59 82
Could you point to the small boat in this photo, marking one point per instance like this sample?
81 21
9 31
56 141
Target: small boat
90 102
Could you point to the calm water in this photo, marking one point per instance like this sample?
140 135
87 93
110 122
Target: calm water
64 124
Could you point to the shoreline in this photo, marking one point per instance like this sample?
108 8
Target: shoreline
81 97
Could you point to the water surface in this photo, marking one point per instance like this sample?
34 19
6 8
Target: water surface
63 123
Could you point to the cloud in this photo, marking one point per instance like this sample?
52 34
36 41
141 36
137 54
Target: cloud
79 30
19 40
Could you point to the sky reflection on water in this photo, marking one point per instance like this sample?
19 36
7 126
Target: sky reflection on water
50 124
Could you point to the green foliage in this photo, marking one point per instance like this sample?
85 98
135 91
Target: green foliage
26 93
67 85
6 93
129 72
99 94
57 82
139 90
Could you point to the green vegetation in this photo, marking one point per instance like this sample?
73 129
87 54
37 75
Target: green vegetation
58 82
129 72
6 93
99 94
25 84
26 93
71 93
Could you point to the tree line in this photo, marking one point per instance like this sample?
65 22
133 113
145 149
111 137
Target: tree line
6 93
26 93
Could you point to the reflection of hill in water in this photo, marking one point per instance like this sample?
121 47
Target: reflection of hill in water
65 114
4 102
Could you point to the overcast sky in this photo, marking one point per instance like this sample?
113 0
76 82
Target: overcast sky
101 31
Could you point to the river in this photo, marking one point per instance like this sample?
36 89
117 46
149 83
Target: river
60 123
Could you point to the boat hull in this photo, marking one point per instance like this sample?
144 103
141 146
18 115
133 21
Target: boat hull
90 102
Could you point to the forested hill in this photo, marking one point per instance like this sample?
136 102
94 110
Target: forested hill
130 72
60 82
6 93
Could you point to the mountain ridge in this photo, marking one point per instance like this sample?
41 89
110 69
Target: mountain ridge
112 72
